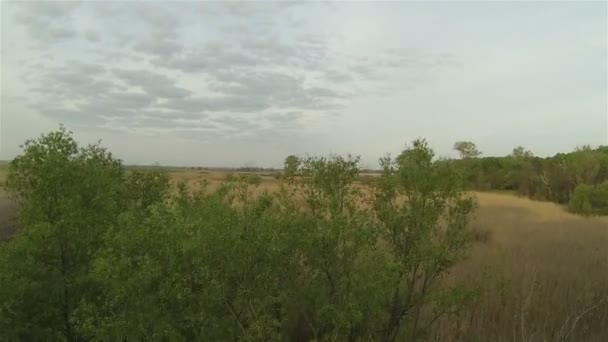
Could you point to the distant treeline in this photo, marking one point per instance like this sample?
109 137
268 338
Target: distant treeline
578 179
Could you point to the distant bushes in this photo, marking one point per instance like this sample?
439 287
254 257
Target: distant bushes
575 179
590 199
251 179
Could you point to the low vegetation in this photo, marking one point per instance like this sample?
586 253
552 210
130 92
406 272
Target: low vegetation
577 179
107 253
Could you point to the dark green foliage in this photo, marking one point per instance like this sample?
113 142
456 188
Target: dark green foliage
291 165
554 179
590 199
253 179
467 149
426 233
68 198
106 254
144 188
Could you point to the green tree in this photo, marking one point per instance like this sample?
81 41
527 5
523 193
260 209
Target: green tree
291 165
68 198
337 296
590 199
423 215
467 149
521 153
106 254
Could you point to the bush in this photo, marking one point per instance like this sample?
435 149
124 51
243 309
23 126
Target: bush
230 177
590 200
69 197
109 255
253 179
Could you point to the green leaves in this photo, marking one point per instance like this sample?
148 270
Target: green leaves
423 215
111 254
68 198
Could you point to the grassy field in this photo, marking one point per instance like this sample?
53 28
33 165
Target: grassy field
542 273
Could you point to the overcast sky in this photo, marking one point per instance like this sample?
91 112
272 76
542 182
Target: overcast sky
234 84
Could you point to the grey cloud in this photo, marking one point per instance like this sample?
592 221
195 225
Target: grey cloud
410 58
268 48
159 45
287 120
154 15
322 92
158 37
273 89
215 56
110 109
57 33
48 9
259 74
92 36
75 80
158 119
366 70
199 134
236 123
249 50
217 104
83 68
152 83
337 76
79 81
241 8
127 101
46 21
68 115
107 8
284 117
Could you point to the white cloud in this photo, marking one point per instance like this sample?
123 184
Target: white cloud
357 77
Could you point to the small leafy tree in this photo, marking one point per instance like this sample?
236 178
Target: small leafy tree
521 153
467 149
335 249
423 215
68 198
291 165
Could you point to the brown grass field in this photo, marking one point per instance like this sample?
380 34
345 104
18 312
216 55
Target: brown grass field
541 272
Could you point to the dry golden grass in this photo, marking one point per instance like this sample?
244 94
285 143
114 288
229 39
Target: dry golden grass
542 273
540 269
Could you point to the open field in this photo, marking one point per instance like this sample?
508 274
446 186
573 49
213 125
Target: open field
538 269
541 272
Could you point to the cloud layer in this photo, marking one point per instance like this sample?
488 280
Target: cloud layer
169 70
291 74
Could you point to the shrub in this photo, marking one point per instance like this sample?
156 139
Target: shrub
69 197
253 179
427 233
590 200
109 255
230 177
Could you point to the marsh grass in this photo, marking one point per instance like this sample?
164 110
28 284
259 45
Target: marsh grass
541 273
